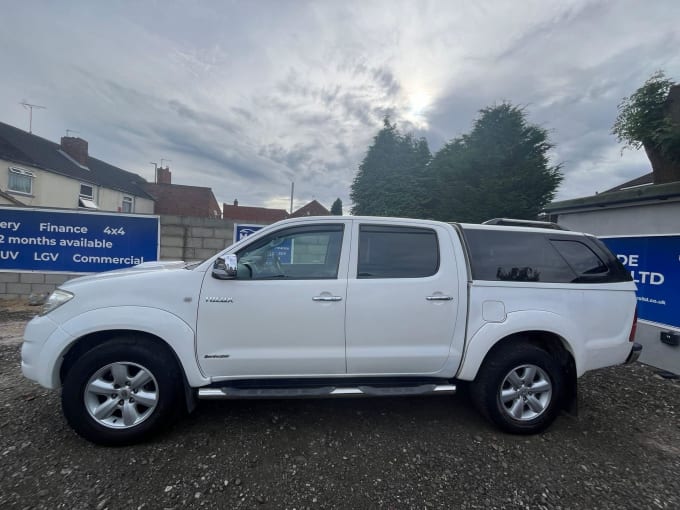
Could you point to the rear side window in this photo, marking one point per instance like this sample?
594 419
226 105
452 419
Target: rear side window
515 256
397 252
617 271
581 258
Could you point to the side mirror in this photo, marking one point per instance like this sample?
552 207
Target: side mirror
224 268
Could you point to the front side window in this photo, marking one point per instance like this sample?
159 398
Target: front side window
127 204
295 253
397 252
20 181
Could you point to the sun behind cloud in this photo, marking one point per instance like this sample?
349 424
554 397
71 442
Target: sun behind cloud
418 103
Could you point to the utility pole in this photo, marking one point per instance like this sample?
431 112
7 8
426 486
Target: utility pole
292 191
29 107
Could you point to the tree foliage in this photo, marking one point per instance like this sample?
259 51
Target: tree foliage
643 119
500 169
391 180
336 208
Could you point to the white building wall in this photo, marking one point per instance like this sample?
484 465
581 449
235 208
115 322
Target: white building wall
646 219
54 190
112 200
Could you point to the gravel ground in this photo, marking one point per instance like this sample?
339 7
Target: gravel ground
623 451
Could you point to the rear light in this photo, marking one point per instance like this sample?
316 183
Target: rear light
633 327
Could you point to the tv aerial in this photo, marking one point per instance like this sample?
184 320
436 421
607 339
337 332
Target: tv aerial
29 107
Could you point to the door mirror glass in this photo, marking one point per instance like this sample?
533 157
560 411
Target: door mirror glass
224 268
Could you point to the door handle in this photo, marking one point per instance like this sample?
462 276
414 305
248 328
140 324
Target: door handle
439 298
327 298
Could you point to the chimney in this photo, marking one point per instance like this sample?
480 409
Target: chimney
235 203
76 148
163 175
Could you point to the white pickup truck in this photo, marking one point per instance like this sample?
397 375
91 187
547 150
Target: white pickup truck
334 307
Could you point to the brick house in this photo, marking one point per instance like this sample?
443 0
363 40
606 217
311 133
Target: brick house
313 208
264 216
181 199
257 215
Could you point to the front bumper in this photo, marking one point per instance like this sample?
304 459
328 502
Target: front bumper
634 353
41 351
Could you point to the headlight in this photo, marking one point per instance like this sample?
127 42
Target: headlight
56 299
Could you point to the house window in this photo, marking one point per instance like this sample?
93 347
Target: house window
86 191
20 181
127 204
86 197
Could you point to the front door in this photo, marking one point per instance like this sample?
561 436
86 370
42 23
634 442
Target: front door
284 314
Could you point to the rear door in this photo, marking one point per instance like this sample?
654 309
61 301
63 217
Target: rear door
402 299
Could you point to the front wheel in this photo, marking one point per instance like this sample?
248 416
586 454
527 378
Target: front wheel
519 388
122 391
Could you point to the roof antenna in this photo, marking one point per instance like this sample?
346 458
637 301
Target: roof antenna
71 131
29 106
164 160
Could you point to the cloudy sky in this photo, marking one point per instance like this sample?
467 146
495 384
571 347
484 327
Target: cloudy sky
247 96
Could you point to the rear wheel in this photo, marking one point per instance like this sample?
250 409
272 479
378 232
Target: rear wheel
122 391
519 388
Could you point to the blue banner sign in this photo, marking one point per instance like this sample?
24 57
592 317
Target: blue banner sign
243 231
654 263
49 240
283 251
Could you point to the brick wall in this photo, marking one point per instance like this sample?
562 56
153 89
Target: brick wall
182 238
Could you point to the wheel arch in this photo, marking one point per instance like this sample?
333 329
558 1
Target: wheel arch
550 330
94 327
550 341
556 345
94 339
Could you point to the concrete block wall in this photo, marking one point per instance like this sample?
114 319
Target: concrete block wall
188 238
182 238
19 285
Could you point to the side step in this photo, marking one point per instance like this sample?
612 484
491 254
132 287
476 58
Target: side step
230 392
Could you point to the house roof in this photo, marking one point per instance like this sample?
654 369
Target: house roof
638 181
313 208
617 197
183 200
267 216
252 214
25 148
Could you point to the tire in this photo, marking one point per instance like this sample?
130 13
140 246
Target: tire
122 391
519 388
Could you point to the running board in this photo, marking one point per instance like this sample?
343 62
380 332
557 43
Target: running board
227 392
